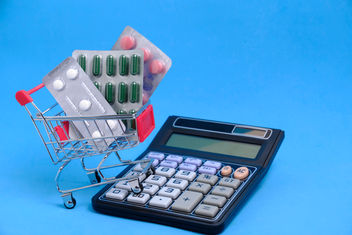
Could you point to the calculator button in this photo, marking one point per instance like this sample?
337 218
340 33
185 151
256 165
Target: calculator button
165 171
215 200
241 173
116 193
230 182
207 210
223 191
134 174
150 188
187 201
169 192
186 175
168 163
194 161
140 198
155 155
123 185
207 170
226 171
177 183
209 179
213 164
187 167
156 179
175 158
163 202
199 187
140 167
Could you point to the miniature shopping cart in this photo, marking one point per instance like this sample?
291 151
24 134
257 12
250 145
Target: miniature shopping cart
64 143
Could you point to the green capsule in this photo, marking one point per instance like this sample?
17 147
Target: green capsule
97 85
123 64
110 65
82 62
96 70
123 112
133 121
123 92
135 92
110 92
135 64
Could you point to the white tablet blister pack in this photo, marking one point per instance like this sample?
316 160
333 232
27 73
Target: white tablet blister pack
77 96
117 74
156 62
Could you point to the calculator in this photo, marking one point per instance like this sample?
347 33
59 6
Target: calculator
203 171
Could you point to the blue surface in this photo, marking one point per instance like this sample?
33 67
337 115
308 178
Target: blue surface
281 64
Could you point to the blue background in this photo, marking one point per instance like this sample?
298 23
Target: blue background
280 64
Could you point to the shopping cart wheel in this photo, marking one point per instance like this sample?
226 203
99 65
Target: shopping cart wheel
136 186
69 201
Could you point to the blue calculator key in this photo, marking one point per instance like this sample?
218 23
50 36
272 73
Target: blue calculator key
207 170
175 158
187 167
214 164
155 155
194 161
168 163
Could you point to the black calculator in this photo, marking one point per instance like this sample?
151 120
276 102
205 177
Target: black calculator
203 172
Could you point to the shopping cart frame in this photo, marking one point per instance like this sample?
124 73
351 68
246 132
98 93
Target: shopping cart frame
63 148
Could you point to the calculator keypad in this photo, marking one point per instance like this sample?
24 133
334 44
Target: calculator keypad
187 185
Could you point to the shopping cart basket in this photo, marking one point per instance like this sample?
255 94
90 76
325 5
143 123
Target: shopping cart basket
64 143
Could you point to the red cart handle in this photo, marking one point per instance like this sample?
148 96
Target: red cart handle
24 97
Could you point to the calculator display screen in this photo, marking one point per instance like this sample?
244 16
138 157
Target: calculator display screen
205 144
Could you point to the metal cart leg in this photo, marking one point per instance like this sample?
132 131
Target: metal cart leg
69 200
93 174
94 177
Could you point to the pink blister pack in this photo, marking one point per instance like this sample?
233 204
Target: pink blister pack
156 62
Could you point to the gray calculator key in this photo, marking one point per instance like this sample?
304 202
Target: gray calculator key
150 188
208 179
159 201
230 182
165 171
169 192
177 183
135 174
186 175
140 198
187 201
199 187
116 193
215 200
156 179
123 185
207 210
223 191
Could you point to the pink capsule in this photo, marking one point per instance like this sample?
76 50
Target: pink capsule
156 66
147 54
127 42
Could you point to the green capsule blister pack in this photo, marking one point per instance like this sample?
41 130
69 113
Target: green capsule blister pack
118 75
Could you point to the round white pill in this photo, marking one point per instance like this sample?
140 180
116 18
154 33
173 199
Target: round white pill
112 124
96 134
58 84
84 105
72 73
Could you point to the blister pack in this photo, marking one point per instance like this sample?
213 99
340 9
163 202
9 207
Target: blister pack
117 74
77 96
156 62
